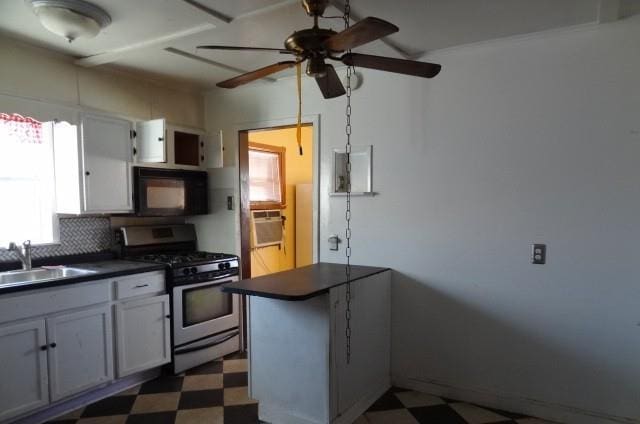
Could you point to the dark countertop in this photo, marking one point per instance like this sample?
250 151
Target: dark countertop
301 283
102 270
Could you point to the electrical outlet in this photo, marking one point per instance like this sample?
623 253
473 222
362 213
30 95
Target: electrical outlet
539 254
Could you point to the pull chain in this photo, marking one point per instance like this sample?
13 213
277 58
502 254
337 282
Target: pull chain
347 12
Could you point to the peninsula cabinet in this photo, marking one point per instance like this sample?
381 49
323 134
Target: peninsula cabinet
306 308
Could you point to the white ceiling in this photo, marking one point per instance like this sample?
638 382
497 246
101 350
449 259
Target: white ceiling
142 30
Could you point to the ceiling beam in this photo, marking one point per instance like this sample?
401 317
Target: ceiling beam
608 11
118 53
339 4
201 59
221 17
266 9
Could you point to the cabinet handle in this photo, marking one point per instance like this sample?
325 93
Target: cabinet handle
168 316
87 173
44 347
139 286
160 138
53 345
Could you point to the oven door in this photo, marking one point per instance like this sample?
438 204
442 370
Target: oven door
202 309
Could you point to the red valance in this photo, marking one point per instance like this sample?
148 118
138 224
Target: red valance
21 129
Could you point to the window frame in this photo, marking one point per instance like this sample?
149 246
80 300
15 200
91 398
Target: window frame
281 152
54 219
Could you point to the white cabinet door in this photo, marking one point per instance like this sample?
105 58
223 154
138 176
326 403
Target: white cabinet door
107 151
151 141
80 351
142 328
23 368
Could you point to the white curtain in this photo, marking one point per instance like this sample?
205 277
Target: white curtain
264 176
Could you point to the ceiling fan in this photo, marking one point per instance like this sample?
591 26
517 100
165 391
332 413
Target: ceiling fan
315 45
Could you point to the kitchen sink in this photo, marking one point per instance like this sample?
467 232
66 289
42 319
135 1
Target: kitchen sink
40 274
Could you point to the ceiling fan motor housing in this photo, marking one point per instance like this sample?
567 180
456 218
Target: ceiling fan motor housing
308 40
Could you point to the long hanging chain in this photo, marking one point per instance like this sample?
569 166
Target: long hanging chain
347 12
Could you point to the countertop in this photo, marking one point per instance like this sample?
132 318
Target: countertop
301 283
102 270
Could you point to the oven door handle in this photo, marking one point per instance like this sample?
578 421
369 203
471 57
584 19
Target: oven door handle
204 346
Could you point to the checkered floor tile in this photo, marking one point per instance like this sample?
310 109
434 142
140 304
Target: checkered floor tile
216 393
399 406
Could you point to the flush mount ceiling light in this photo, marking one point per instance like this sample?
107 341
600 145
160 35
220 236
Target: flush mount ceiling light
70 19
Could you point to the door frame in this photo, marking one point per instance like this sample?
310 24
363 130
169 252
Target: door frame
242 131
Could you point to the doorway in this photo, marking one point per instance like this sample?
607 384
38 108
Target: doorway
277 201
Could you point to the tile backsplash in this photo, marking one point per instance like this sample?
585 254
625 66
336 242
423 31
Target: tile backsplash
78 235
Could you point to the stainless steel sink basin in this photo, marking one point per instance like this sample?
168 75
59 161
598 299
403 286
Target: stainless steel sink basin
40 274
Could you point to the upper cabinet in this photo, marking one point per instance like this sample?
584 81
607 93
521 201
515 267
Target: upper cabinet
93 160
151 141
92 165
162 145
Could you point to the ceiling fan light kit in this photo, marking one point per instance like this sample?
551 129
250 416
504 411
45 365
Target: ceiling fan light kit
70 19
317 45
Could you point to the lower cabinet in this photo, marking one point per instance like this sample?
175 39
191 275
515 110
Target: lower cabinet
69 347
23 368
80 351
143 334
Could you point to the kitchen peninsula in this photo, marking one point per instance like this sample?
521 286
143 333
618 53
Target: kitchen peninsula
298 369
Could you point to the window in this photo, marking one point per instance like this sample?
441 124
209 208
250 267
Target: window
26 181
266 176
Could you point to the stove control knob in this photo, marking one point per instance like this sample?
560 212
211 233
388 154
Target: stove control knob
220 265
227 265
194 270
185 271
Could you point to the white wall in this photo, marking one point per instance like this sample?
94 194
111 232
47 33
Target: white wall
535 139
46 85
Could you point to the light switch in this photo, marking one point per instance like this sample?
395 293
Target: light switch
538 254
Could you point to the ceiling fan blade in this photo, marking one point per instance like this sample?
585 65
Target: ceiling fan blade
248 49
330 84
399 66
257 74
363 32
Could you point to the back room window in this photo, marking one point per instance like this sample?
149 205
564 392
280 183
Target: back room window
266 176
26 181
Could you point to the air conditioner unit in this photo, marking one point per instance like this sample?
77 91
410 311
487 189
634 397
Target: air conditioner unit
266 228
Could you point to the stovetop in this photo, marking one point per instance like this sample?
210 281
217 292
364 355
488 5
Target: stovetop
175 259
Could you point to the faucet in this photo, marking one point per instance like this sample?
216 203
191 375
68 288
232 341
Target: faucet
24 253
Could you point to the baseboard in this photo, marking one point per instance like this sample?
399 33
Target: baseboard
535 408
68 405
361 406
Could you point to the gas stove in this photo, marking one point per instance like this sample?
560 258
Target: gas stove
189 267
182 258
175 247
205 320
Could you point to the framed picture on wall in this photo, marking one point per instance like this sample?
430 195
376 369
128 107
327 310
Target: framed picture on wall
361 170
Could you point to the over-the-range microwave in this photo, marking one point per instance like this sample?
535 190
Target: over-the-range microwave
169 192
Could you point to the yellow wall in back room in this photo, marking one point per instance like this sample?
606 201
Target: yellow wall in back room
299 170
